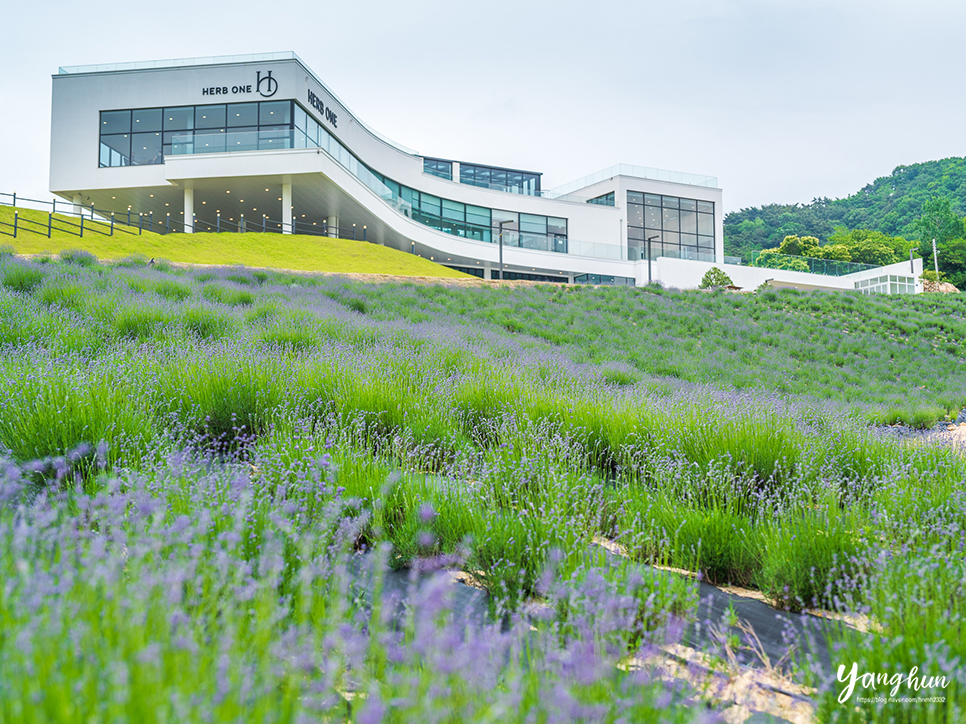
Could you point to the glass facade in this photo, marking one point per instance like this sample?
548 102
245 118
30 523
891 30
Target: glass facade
436 167
500 179
887 284
146 135
605 200
604 279
676 227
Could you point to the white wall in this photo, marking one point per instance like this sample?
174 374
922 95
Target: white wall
682 274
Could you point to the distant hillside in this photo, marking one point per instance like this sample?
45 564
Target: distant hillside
889 204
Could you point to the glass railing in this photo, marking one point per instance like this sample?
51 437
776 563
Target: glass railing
624 169
736 260
807 264
177 63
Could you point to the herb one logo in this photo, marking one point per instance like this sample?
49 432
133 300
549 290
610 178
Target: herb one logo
875 681
265 86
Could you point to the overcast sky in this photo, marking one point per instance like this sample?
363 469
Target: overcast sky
781 100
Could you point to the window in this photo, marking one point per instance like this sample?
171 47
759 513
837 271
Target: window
435 167
677 227
144 136
605 200
500 179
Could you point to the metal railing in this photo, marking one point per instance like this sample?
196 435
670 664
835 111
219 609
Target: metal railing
808 265
92 220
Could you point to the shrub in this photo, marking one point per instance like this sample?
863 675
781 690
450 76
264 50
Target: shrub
69 296
6 251
138 322
715 279
172 290
231 297
134 261
206 323
79 257
23 279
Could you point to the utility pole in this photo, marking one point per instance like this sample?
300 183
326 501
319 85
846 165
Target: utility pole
935 259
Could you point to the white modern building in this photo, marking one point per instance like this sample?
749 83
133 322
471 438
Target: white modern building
258 142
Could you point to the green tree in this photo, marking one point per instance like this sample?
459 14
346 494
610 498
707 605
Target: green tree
952 260
870 251
835 252
938 221
799 246
714 278
773 259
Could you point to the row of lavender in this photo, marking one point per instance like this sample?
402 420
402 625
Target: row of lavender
197 460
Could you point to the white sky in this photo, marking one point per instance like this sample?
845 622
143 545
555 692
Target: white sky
783 101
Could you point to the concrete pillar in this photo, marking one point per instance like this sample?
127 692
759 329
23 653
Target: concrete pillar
332 224
286 208
78 204
456 171
189 211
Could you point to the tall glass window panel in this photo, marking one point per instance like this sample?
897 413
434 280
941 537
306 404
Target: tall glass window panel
179 119
670 202
116 150
533 224
706 224
635 197
477 215
670 219
556 226
635 215
454 210
429 204
689 222
652 217
146 148
146 120
706 207
706 242
115 122
688 205
300 118
241 115
635 234
210 117
652 200
671 238
689 240
274 113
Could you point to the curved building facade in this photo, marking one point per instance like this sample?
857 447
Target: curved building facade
259 142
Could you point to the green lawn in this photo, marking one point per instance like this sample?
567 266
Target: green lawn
273 251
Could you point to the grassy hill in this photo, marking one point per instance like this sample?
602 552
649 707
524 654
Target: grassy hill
890 204
274 251
201 469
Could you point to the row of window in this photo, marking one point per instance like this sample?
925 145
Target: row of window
435 167
669 226
145 135
515 182
604 279
887 284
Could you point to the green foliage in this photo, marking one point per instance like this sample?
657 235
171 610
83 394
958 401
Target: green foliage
715 278
799 246
224 295
21 278
773 259
78 256
170 289
891 204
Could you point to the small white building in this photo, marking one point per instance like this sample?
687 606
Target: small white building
258 142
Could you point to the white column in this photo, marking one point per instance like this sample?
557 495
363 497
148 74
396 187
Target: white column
78 204
332 225
456 171
286 208
189 211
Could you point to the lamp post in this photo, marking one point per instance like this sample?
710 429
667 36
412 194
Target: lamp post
649 240
500 224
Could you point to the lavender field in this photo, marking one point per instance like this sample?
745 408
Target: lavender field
212 482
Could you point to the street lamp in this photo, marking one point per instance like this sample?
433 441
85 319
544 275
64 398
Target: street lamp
649 240
500 224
